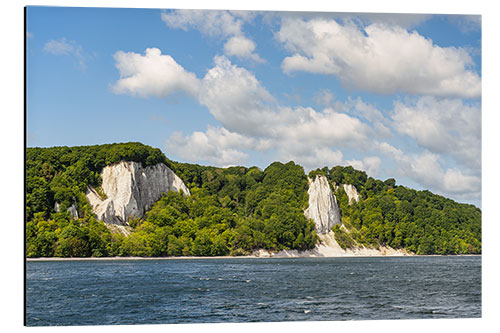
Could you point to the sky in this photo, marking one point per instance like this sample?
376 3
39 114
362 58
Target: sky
395 95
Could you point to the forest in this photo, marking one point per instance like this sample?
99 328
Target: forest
418 221
231 211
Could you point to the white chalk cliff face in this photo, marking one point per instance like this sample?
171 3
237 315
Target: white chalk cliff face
131 190
352 193
323 207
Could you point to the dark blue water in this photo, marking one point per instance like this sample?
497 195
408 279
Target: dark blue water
244 290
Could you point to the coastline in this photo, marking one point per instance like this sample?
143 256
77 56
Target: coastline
234 257
327 248
134 258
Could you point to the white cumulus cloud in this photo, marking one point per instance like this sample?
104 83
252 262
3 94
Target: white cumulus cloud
250 117
217 146
378 58
370 164
152 74
252 120
371 114
426 169
444 126
311 158
241 47
236 98
217 23
305 126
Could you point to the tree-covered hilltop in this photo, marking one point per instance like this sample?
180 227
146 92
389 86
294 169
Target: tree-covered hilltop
231 211
419 221
62 174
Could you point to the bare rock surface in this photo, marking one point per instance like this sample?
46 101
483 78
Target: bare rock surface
323 207
131 190
352 193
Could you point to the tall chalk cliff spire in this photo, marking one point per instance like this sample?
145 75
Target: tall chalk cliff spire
323 207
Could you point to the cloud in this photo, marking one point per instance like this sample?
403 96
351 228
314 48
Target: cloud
252 120
59 47
466 23
306 126
236 98
324 97
309 137
232 94
152 74
219 24
68 48
214 23
444 126
390 150
371 114
402 20
455 181
217 146
370 164
250 117
378 58
313 138
425 168
319 156
361 19
311 158
241 47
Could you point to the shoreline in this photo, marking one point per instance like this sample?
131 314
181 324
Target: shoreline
234 257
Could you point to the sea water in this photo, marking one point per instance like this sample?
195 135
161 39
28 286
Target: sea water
248 290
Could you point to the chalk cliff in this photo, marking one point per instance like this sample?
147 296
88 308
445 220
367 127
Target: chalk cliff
352 193
323 207
131 190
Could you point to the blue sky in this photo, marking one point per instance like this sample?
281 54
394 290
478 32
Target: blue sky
395 95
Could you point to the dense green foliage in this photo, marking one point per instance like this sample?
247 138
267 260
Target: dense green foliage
343 238
61 174
231 211
62 236
419 221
